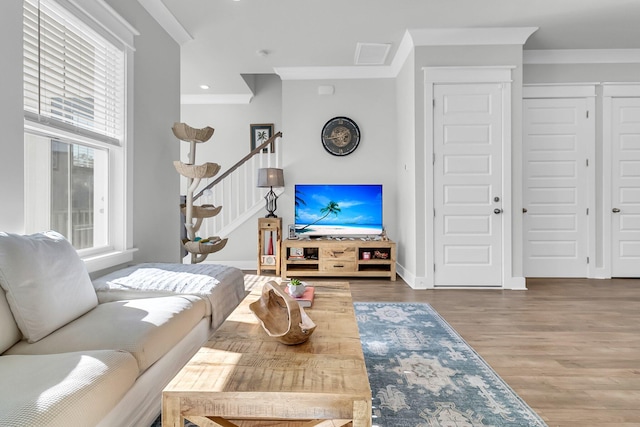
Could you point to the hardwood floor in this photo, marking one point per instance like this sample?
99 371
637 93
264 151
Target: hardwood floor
569 347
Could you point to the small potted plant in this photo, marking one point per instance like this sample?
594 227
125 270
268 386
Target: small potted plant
295 287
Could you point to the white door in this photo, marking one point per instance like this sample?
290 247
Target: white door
556 140
625 188
468 185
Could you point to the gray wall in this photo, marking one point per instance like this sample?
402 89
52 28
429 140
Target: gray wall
406 166
580 73
156 215
11 120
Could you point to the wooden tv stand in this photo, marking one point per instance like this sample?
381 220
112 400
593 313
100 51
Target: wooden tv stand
338 258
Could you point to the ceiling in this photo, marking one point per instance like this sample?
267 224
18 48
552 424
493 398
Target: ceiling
224 39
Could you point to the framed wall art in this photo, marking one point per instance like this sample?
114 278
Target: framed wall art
260 133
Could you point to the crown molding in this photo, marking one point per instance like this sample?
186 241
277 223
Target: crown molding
471 36
211 99
582 56
468 74
167 20
620 89
559 90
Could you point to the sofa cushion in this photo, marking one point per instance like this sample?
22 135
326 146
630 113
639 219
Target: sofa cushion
9 332
63 389
146 328
47 284
221 286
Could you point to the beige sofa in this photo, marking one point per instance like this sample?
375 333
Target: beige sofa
73 352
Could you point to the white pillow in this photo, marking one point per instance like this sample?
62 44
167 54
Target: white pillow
46 282
9 332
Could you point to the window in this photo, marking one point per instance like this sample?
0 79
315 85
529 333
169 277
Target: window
75 142
72 197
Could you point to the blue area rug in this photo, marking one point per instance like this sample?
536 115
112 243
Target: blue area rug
423 374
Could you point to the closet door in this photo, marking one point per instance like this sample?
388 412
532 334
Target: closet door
558 136
625 187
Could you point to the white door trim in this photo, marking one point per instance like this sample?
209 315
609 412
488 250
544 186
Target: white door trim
587 91
575 90
471 74
610 91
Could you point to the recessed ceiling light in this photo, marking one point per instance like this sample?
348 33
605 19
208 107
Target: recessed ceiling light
204 87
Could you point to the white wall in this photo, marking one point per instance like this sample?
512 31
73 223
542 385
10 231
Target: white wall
156 107
299 112
372 105
230 143
231 140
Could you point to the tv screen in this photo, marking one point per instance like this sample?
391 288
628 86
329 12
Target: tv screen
338 209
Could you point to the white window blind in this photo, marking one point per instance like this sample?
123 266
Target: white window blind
73 77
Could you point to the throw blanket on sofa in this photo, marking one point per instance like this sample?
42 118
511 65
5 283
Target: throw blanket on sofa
221 286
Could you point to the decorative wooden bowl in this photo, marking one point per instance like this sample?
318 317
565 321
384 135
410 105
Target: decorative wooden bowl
206 170
281 316
202 211
213 244
186 133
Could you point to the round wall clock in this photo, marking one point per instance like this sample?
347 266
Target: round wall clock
340 136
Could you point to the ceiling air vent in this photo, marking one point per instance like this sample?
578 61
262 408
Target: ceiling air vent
372 53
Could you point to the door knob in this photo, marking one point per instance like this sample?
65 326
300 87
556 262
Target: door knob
615 210
524 210
497 211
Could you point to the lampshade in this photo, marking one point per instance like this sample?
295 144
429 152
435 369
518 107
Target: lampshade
270 177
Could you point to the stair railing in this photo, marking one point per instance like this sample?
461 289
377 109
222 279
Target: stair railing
236 189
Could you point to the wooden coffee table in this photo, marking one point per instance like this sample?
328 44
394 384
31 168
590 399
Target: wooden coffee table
243 377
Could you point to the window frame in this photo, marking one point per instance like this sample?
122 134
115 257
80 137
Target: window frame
105 21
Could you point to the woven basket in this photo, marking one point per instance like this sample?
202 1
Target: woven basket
206 170
281 316
202 211
214 244
186 133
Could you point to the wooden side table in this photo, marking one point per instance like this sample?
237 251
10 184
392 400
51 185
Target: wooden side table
269 238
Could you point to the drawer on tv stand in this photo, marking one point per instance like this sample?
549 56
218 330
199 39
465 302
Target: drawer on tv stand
337 266
338 253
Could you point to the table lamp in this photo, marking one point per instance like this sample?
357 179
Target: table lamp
269 178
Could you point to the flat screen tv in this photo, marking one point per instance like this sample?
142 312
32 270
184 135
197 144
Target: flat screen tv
338 209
